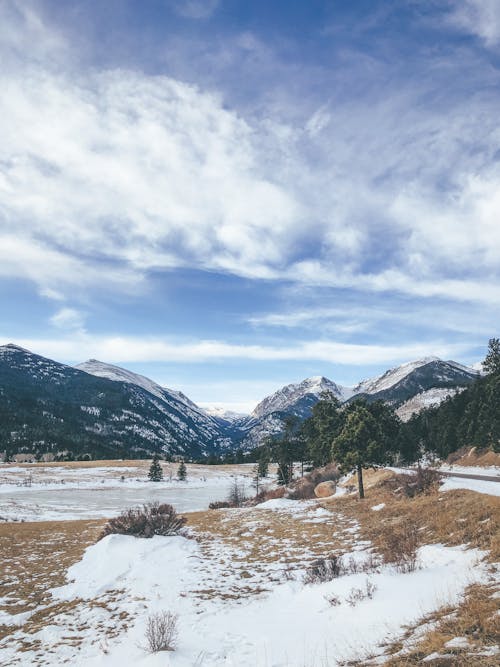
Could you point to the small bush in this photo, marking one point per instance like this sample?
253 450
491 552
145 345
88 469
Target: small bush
146 521
358 594
410 485
236 496
323 569
399 545
219 504
161 632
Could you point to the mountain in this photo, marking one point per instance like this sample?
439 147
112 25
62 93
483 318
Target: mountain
298 399
409 387
225 415
398 385
101 369
105 410
50 407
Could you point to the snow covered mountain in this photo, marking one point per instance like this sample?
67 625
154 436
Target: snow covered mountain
400 384
101 369
102 409
50 407
299 398
409 387
226 415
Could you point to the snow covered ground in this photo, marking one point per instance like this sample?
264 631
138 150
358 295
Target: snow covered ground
45 493
287 624
236 581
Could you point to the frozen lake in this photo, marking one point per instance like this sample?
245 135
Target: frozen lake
64 494
60 504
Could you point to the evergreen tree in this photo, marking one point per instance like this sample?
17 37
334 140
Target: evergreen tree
155 472
263 462
367 438
321 427
491 364
182 472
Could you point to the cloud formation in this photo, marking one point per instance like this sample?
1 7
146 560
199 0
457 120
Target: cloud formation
107 175
130 349
478 17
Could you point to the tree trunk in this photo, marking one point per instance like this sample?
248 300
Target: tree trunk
360 481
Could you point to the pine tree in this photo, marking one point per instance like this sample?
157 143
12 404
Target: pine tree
263 463
366 439
491 364
155 472
182 472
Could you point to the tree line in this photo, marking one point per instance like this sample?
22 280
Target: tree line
360 435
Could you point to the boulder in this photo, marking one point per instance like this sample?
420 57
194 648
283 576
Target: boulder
325 489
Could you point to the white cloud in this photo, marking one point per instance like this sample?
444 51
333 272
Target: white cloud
107 175
68 318
478 17
123 349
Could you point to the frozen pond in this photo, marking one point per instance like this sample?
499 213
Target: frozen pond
43 493
73 503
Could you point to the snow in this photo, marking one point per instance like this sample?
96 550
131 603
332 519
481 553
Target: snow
291 393
480 486
471 470
391 377
222 413
46 493
377 508
290 624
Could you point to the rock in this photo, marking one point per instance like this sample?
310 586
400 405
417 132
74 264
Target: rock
325 489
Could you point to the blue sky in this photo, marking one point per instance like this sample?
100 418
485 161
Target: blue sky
228 196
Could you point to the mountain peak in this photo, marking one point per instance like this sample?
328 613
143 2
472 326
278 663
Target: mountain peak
291 394
14 348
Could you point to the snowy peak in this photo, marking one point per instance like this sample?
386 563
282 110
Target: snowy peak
286 398
118 374
11 347
221 413
110 372
392 376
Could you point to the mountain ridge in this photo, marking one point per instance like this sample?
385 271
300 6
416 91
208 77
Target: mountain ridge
167 420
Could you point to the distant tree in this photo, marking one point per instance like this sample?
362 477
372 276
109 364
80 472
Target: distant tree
263 462
155 472
367 438
491 364
321 428
182 472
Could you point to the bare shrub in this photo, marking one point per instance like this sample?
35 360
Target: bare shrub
333 600
399 545
358 594
352 565
323 569
409 485
236 496
161 632
146 521
219 504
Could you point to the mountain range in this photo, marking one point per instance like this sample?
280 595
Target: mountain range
107 411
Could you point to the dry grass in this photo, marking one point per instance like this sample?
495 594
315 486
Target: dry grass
452 518
264 545
268 545
35 557
472 456
475 620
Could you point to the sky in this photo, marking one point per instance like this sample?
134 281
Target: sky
229 196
